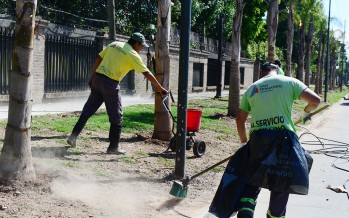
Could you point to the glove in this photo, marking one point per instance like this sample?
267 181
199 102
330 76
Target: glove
305 117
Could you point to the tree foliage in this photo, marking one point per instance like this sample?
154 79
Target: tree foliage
74 12
137 15
8 7
253 23
205 15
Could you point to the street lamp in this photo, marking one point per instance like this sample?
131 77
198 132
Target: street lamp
151 40
220 56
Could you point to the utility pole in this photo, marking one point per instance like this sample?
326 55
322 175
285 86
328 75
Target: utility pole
183 87
327 52
220 56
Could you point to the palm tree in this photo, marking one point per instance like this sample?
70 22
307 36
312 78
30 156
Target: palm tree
300 63
318 78
316 16
309 52
309 12
16 157
272 24
162 121
234 83
290 34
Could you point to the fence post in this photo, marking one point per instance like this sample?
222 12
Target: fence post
39 61
100 40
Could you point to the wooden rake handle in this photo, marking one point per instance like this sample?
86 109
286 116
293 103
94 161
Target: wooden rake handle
313 113
210 168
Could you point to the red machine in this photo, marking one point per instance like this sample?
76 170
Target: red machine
193 125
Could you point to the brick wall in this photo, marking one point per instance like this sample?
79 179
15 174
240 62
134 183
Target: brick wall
38 69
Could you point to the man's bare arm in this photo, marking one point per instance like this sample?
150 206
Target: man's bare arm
240 124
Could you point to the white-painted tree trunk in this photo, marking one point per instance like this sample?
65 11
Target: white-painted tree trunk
16 157
234 83
163 121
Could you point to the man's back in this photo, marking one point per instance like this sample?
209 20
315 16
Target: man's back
118 59
270 101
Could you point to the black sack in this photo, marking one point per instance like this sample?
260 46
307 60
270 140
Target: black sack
278 162
227 197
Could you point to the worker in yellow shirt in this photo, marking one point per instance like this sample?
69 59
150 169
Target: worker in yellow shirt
111 66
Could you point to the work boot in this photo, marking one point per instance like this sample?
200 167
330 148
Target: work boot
115 150
76 130
72 140
114 138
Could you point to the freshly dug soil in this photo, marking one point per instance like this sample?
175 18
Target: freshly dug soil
86 182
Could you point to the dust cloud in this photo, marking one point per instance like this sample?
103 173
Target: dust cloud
111 198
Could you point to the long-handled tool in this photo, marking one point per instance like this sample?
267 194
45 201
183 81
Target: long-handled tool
180 187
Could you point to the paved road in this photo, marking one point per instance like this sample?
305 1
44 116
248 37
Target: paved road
54 106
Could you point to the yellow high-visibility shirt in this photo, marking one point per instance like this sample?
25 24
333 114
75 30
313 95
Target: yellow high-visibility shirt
118 59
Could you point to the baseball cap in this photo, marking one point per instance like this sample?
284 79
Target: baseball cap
139 38
269 66
277 62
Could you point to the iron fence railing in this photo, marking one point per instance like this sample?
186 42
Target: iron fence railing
68 63
6 53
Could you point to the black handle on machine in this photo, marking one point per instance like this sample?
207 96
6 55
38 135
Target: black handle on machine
164 98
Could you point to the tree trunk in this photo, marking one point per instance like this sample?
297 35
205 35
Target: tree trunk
300 66
309 50
290 34
321 78
234 83
272 25
256 69
333 71
162 120
318 81
16 157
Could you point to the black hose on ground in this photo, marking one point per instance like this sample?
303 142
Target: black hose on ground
332 148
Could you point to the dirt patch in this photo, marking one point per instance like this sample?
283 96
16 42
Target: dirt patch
86 182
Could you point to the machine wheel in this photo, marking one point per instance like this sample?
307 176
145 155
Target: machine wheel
173 143
199 148
189 145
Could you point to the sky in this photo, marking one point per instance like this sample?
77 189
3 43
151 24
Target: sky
339 11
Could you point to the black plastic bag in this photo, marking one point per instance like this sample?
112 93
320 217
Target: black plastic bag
278 162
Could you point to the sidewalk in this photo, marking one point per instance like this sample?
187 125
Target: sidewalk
64 105
321 202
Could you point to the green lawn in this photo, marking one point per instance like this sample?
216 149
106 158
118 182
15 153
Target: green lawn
141 117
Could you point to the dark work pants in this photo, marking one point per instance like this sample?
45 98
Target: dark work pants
104 90
277 202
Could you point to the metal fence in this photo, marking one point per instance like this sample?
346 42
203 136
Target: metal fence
6 53
68 63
